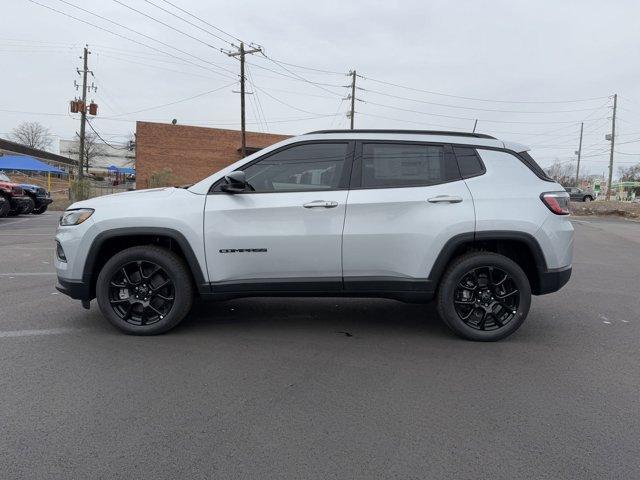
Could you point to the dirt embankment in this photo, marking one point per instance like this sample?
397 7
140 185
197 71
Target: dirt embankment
620 209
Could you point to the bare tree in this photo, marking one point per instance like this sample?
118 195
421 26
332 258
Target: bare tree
630 174
93 147
563 173
32 134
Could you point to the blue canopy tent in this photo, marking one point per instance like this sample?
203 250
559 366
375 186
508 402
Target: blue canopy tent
124 170
26 164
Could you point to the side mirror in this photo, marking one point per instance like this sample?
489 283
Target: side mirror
236 182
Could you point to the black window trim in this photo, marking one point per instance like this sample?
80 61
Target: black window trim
483 168
345 176
356 175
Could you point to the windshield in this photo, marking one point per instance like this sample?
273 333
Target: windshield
4 178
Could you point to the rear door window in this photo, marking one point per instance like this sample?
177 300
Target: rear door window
405 165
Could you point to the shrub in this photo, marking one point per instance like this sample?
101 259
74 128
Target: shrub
80 190
161 178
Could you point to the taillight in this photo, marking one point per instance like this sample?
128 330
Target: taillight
557 202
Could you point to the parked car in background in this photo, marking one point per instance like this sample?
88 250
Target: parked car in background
41 198
579 195
14 195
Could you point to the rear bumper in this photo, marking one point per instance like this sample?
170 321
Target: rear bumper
553 280
75 289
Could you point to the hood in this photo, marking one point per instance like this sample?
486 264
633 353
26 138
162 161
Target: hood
127 198
13 187
29 186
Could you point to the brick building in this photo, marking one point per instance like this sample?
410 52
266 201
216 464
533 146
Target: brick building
192 153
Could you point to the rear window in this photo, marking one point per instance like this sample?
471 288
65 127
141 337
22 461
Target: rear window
469 162
405 165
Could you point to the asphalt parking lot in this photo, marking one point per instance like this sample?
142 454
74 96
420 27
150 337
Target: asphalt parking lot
321 388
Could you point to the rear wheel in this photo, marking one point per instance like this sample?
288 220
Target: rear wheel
145 290
484 296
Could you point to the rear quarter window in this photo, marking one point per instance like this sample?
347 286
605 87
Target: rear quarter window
469 162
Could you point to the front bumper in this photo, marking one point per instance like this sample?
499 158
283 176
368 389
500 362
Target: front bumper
553 280
78 290
41 201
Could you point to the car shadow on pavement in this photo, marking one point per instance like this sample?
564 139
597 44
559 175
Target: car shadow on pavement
347 317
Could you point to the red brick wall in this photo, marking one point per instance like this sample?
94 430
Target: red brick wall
192 153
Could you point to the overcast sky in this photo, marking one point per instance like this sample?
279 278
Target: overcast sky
503 51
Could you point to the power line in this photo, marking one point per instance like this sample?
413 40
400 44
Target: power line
188 22
258 101
476 108
203 21
202 94
129 38
103 140
472 119
481 99
171 27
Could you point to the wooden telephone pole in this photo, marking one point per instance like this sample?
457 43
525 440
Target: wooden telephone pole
83 112
241 54
579 153
613 141
352 113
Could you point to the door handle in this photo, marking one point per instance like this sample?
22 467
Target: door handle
445 199
321 204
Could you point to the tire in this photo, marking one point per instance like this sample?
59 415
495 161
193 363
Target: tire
476 267
40 210
27 207
112 286
587 199
4 207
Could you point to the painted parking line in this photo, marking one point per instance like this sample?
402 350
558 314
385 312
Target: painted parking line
33 333
22 274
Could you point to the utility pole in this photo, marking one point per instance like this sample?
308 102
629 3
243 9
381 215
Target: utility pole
613 141
579 153
241 53
352 114
83 112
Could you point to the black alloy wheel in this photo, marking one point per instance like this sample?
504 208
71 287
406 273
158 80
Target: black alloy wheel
486 298
145 290
141 293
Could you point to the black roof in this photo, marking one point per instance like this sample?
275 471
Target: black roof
411 132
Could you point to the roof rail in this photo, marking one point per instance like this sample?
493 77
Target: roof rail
418 132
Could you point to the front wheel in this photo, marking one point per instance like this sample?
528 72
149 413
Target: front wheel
27 207
587 198
145 290
484 296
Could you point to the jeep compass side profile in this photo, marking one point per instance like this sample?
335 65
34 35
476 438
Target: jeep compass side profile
466 219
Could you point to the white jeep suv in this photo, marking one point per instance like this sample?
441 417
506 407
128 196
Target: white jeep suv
409 215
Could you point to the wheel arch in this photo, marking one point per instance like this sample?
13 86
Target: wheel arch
521 247
110 242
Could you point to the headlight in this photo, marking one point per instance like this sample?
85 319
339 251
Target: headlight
75 217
